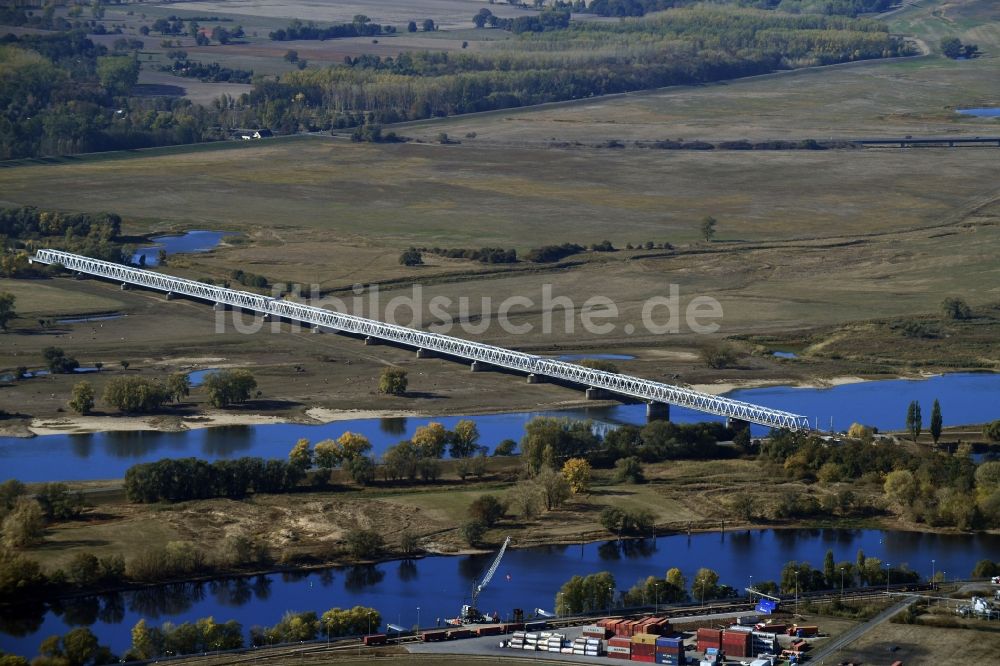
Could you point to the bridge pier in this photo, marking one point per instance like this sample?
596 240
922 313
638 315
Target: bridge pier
736 424
169 296
220 307
265 316
370 341
593 393
478 366
657 411
316 329
124 286
536 379
424 353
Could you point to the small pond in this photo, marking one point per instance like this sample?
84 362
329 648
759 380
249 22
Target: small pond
83 319
981 113
189 241
197 377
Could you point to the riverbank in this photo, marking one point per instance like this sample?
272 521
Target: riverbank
312 415
308 528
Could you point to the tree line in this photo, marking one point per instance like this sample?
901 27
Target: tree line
181 479
211 72
624 8
361 26
26 228
683 46
598 592
925 485
140 395
498 255
549 19
64 94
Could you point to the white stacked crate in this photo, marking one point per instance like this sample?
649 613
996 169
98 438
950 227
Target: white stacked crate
594 647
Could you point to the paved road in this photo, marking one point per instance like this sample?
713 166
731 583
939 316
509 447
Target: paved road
857 632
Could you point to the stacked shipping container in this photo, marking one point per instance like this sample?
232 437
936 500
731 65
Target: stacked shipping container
763 643
619 647
709 638
669 651
597 631
737 643
644 648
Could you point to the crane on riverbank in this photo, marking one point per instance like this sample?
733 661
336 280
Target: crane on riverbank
470 614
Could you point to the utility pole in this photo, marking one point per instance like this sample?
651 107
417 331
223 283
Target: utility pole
796 592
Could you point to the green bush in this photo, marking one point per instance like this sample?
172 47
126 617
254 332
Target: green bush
364 543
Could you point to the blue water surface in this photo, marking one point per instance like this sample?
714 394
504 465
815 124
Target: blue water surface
189 241
965 398
527 578
982 113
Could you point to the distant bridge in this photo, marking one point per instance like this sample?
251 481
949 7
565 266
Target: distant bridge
658 396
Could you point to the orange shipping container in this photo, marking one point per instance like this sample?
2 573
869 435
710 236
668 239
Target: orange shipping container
644 649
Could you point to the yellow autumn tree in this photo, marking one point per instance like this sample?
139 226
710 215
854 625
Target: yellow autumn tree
577 472
430 440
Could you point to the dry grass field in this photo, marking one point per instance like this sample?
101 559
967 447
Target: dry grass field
308 526
914 96
464 196
917 645
320 211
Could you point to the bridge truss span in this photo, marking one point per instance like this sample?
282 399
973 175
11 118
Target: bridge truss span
625 385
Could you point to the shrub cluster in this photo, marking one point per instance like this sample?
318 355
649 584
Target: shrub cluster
182 479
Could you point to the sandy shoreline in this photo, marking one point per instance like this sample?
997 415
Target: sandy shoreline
720 388
321 415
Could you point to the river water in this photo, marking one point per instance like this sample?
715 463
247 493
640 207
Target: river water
965 398
527 578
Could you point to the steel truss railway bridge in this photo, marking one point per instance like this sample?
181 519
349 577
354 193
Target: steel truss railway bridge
599 383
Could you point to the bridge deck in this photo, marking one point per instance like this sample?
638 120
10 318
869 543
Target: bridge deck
625 385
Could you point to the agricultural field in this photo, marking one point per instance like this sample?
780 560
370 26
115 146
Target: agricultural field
449 14
912 96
